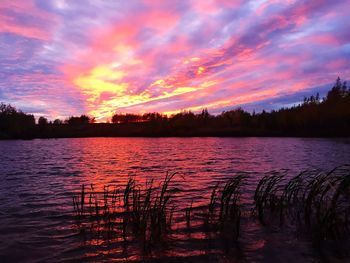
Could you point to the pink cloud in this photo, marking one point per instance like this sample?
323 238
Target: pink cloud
10 24
31 32
171 55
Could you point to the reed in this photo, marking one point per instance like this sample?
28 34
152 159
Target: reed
144 212
267 195
188 212
212 201
319 202
315 201
224 209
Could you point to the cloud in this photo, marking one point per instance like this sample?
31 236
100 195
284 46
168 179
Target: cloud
60 57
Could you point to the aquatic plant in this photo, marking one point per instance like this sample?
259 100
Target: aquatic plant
143 210
230 207
224 208
188 212
316 202
267 195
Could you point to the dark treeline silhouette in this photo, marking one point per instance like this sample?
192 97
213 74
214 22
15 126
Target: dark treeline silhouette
314 117
15 124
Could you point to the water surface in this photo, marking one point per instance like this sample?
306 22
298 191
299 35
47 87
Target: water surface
38 178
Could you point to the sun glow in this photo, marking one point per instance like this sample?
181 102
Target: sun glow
107 92
101 79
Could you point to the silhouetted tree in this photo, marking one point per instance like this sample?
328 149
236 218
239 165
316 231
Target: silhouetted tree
153 117
83 119
14 123
42 121
125 118
57 122
329 116
338 91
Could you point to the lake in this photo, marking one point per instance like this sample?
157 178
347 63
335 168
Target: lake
38 178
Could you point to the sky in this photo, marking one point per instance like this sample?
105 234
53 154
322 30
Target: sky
60 58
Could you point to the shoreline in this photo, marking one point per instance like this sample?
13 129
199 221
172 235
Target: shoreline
134 130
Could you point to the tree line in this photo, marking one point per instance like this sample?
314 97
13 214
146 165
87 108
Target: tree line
315 116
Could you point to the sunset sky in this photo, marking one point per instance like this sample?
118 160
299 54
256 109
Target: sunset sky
68 57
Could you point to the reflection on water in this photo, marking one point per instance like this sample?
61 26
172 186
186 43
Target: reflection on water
38 178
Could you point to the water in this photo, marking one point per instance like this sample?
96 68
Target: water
38 178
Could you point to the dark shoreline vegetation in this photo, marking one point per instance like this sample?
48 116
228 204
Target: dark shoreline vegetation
315 117
313 205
